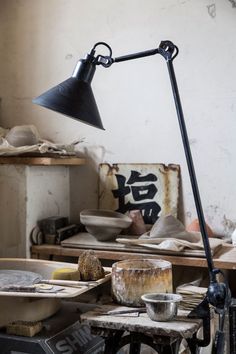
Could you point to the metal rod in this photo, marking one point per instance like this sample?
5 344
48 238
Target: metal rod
191 169
146 53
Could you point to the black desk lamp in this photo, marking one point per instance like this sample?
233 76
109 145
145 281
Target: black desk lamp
75 99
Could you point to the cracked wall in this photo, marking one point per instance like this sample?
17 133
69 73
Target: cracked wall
40 43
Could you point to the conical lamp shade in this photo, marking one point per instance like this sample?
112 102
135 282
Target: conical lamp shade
73 98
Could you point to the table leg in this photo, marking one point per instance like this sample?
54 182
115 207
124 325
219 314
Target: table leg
134 348
135 345
112 343
192 345
172 348
117 341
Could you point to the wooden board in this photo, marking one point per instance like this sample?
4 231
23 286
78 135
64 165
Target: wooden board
65 292
87 241
39 266
225 258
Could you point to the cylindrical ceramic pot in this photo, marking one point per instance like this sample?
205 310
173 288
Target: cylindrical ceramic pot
133 278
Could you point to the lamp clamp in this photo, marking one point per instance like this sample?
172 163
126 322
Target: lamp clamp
218 293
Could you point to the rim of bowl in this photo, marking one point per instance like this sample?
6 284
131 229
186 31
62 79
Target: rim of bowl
163 263
146 298
89 213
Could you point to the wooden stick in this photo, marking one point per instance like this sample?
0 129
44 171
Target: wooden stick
68 282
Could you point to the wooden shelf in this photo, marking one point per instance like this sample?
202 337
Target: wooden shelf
42 161
224 259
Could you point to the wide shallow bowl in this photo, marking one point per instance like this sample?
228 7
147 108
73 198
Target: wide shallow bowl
132 278
161 306
104 225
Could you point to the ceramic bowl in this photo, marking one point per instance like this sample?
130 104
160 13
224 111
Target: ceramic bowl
22 135
104 225
161 307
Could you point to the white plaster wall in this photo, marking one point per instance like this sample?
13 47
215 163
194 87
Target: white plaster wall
40 42
12 211
47 194
28 194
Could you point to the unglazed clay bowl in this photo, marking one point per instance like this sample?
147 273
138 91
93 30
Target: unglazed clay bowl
161 307
104 225
132 278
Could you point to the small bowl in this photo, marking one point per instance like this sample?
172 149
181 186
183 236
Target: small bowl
104 225
161 307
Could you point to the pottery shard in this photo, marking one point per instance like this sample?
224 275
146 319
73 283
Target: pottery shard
90 266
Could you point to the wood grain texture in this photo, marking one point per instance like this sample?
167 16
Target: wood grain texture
42 161
131 243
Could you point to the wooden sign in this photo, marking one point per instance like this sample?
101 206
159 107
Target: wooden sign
151 188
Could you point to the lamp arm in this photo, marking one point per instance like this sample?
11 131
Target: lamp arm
107 61
216 291
138 55
191 169
166 48
169 51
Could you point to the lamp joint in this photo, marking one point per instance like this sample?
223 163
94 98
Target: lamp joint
105 61
168 50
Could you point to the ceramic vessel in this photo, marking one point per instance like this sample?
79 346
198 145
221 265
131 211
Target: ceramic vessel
104 225
133 278
195 227
22 135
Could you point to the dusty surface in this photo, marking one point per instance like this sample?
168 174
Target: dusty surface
180 327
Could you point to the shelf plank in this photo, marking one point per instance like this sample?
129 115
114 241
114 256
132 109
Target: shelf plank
42 161
224 259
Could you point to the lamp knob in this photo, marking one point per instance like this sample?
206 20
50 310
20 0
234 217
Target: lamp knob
217 294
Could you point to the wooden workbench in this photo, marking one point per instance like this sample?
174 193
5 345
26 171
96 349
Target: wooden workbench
163 337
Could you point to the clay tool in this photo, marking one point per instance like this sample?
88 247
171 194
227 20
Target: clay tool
72 283
125 311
